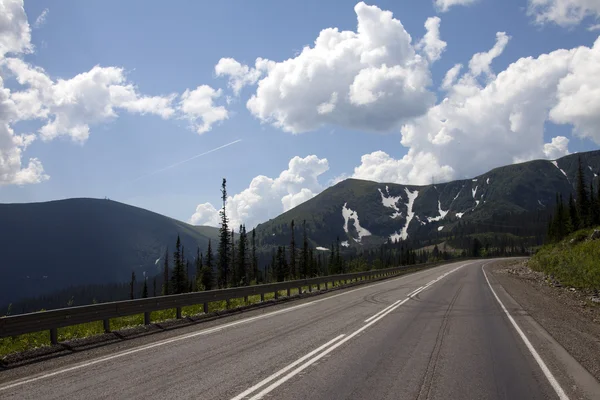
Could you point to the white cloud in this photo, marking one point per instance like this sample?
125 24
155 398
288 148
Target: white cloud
70 106
266 197
239 75
444 5
431 43
450 77
563 12
41 19
478 127
198 106
372 79
15 33
481 62
558 147
595 27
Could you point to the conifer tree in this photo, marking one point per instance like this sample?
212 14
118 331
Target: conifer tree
594 209
131 285
573 213
292 272
224 242
582 199
199 267
145 288
254 258
234 277
166 290
178 280
305 269
242 263
207 274
154 287
331 261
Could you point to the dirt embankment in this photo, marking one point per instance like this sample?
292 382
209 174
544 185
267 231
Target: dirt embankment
571 316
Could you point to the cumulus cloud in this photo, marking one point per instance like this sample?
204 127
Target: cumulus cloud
198 106
481 126
431 43
481 62
444 5
15 33
450 77
240 75
70 106
268 197
374 78
563 12
41 19
558 147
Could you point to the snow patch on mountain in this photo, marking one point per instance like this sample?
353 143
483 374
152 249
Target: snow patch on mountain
440 228
390 202
556 165
345 243
403 235
590 168
474 180
487 181
474 191
322 248
157 260
541 204
348 215
439 217
459 215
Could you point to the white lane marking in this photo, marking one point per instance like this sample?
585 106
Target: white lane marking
284 370
553 382
416 290
377 317
323 354
195 334
384 310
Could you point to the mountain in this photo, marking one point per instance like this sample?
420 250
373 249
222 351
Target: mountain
53 245
513 200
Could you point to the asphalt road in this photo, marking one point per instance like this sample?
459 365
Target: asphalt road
449 340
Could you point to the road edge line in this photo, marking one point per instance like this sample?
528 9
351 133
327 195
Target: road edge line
551 379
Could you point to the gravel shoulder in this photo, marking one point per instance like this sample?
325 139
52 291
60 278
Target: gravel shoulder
570 316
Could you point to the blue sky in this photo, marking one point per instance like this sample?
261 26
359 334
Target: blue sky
163 50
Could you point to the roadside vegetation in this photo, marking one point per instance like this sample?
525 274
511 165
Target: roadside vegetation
572 254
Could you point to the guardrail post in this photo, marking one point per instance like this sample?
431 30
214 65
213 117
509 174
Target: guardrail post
245 299
289 292
276 294
106 324
147 318
262 297
299 289
178 313
318 287
54 336
310 288
228 304
205 307
326 285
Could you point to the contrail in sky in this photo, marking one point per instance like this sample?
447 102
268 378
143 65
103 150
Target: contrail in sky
184 161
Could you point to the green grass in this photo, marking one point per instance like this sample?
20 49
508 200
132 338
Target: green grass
574 264
34 340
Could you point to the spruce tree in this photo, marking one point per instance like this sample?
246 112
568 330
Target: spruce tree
145 288
573 213
337 262
199 266
131 285
594 209
582 199
234 272
224 243
305 267
178 280
331 261
166 290
207 275
292 272
154 287
254 258
241 268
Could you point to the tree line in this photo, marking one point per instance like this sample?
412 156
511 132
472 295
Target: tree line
579 212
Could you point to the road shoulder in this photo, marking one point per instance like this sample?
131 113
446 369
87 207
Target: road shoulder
563 327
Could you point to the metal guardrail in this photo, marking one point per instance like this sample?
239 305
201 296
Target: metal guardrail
53 319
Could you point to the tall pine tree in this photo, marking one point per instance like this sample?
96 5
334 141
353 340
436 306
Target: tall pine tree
207 274
166 289
199 272
292 273
583 205
254 258
145 288
131 285
224 242
178 280
241 265
304 259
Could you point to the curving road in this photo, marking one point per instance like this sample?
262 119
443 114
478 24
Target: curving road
436 334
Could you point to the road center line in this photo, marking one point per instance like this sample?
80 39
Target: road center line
553 382
371 321
284 370
199 333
